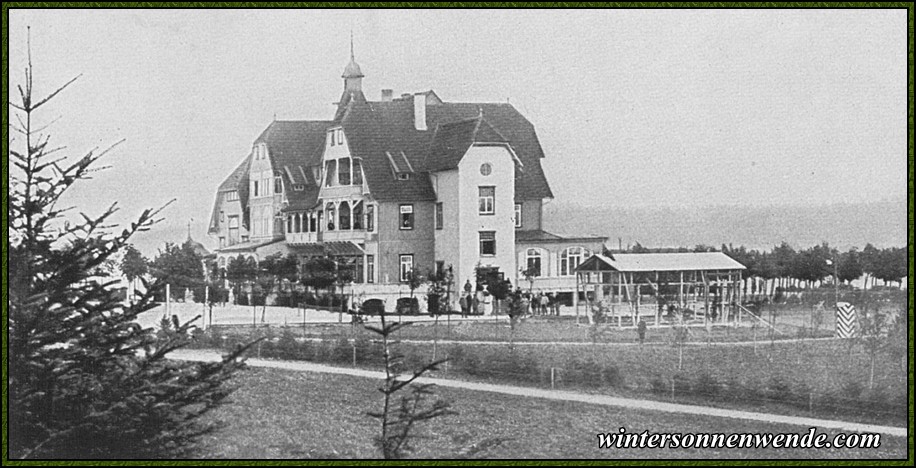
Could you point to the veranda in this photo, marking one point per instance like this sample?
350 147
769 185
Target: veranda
661 288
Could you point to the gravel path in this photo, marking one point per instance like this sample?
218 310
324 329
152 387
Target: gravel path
629 403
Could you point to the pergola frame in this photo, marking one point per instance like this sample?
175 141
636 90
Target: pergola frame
633 294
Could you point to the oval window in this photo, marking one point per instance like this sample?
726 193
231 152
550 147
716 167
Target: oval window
486 169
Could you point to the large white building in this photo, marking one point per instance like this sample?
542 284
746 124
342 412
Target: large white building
399 184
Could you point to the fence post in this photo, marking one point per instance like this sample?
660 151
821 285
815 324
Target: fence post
672 389
552 378
168 296
354 352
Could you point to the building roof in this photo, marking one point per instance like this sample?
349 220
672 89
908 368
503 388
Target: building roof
237 181
249 246
644 262
539 235
322 249
294 147
496 123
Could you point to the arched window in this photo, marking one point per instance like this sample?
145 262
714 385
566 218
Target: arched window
344 215
298 222
289 223
570 259
357 172
358 216
329 215
533 262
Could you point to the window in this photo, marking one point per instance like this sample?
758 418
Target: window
344 216
370 218
255 189
486 169
222 216
343 173
406 220
406 266
439 220
370 268
570 259
358 216
331 137
289 223
403 176
299 187
357 172
339 136
231 196
487 197
233 230
533 262
278 184
518 215
330 177
222 242
488 243
329 214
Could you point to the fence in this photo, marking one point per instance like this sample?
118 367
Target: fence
497 364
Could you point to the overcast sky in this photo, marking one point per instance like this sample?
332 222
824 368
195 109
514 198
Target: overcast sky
632 107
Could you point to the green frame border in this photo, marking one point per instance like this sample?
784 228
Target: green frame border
532 462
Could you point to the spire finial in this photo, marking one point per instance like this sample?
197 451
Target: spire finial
352 56
189 228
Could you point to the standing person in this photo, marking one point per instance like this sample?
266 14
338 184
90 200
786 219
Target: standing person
556 304
464 305
545 303
641 331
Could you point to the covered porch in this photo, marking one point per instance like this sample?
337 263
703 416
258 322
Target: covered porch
660 288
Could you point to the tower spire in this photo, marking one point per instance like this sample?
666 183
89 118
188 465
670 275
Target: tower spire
352 55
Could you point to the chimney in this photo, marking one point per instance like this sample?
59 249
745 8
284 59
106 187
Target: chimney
419 111
387 94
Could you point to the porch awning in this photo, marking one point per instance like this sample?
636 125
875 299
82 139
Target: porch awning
330 249
644 262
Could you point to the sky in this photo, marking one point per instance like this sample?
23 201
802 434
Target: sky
632 107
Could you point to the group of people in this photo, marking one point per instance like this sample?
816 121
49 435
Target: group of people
480 302
542 303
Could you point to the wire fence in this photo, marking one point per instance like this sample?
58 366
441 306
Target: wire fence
585 373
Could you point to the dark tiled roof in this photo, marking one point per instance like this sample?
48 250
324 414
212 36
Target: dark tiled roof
238 181
294 147
370 137
500 123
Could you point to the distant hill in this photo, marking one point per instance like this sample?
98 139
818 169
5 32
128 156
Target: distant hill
842 225
758 227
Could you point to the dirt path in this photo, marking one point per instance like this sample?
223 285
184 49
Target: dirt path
604 400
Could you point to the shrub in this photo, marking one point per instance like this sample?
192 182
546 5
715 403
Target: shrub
706 385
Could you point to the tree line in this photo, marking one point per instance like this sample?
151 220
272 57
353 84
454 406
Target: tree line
787 269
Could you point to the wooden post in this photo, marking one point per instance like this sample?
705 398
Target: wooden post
168 299
680 294
576 298
552 378
207 304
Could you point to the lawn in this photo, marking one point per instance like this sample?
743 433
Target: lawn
292 415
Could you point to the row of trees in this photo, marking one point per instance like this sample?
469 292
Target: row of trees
787 268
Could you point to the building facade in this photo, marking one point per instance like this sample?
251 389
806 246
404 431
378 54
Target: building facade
401 184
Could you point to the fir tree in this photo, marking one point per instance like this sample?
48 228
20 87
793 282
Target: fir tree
85 380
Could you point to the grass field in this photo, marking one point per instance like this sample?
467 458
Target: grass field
284 414
817 378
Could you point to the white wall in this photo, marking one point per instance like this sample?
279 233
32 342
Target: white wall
471 222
